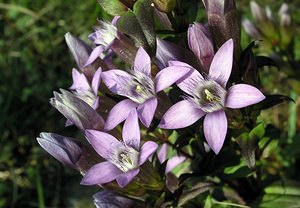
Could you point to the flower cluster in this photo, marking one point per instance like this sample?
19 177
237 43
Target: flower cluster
126 111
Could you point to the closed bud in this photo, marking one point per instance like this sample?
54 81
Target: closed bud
165 5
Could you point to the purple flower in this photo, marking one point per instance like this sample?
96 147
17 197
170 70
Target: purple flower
208 96
111 199
84 90
200 42
123 158
140 89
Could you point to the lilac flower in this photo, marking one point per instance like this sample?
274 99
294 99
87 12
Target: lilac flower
140 89
111 199
208 96
200 42
84 90
123 158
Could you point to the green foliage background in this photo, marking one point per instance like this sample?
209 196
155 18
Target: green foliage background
35 61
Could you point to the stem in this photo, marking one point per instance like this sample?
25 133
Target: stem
292 117
39 187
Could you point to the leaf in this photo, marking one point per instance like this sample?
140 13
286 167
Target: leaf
113 7
193 192
258 131
248 146
280 194
270 101
139 24
262 61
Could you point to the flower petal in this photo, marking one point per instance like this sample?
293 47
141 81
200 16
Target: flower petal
96 80
221 65
142 62
125 178
180 115
94 55
111 79
188 84
168 76
79 81
215 129
101 142
173 162
101 173
131 130
162 153
146 111
146 151
119 113
242 95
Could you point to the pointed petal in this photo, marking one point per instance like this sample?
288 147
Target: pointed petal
94 55
188 84
64 149
101 142
173 162
101 173
131 130
146 111
168 76
79 81
111 79
96 80
180 115
125 178
215 129
221 65
242 95
119 113
162 153
146 151
142 62
179 63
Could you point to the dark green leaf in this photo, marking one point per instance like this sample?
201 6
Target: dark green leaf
248 146
262 61
113 7
270 101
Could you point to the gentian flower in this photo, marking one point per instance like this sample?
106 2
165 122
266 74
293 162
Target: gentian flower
140 89
124 158
208 96
84 90
111 199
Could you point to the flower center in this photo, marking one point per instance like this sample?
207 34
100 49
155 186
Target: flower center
125 157
208 95
139 88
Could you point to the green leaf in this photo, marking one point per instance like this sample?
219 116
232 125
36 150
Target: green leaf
248 146
139 24
262 61
280 194
258 131
270 101
113 7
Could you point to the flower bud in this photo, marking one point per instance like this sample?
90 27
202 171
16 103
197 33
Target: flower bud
165 5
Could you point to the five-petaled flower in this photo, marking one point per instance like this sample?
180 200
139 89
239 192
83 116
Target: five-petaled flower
208 96
123 158
140 89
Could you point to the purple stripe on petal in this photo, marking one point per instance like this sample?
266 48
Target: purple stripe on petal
146 111
180 115
101 173
168 76
179 63
221 65
119 113
125 178
142 62
242 95
131 130
173 162
111 79
189 84
94 55
215 129
96 80
101 142
146 151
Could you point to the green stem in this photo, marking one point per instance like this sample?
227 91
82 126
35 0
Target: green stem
292 117
40 191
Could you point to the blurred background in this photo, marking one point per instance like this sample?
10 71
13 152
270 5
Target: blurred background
35 61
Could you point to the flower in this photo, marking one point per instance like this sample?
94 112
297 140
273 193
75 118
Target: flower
208 96
140 89
124 158
84 90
